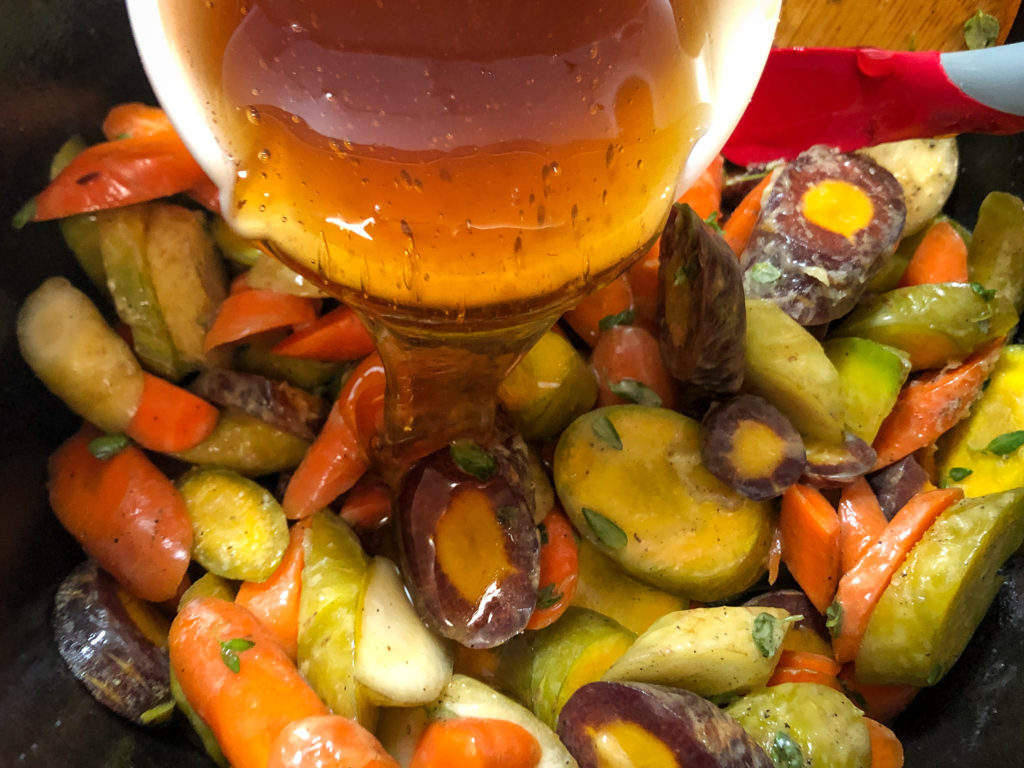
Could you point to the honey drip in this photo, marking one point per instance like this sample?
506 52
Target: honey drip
460 171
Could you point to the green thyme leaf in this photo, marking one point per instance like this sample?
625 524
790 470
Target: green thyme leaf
1006 443
542 530
834 618
625 317
956 474
785 752
473 459
981 31
24 214
108 446
985 293
547 597
607 532
229 650
712 221
636 391
769 632
605 430
765 273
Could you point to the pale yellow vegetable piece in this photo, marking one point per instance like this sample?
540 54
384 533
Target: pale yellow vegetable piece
926 169
247 445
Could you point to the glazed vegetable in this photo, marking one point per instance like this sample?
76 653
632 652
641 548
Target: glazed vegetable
710 651
741 222
996 256
468 498
897 484
938 597
828 223
861 522
751 447
629 368
940 257
832 466
559 570
169 418
809 528
247 445
476 743
124 512
648 503
253 311
702 323
114 644
322 740
624 724
602 309
804 724
807 634
337 336
870 376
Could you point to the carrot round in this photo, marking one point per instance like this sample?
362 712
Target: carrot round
940 257
336 336
361 400
610 301
886 749
134 118
328 741
740 225
253 311
861 587
169 418
629 367
930 405
368 505
643 282
559 569
275 602
237 678
883 703
125 513
809 529
475 743
861 522
705 194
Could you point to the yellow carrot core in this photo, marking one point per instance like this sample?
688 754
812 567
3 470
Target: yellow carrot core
470 544
622 744
757 449
153 625
838 206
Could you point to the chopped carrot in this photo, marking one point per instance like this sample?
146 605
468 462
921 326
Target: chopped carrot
328 741
643 282
362 400
206 193
629 368
134 118
801 675
886 750
705 194
740 225
275 602
254 311
809 528
883 703
471 742
810 660
774 556
940 257
368 505
861 587
125 513
118 173
559 569
237 678
169 418
930 405
861 522
337 336
610 301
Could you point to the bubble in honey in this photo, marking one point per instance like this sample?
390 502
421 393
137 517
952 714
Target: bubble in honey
263 155
251 113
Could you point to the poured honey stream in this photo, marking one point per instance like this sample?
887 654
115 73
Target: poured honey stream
460 171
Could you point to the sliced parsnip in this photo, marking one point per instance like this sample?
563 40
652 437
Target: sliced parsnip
78 356
399 660
239 529
466 697
710 651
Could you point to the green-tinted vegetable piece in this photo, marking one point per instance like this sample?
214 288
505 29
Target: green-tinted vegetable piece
550 387
209 585
710 651
685 531
934 324
233 246
70 347
937 599
996 254
333 582
829 730
306 374
80 231
247 445
273 275
123 245
870 375
999 410
604 587
239 529
544 668
787 367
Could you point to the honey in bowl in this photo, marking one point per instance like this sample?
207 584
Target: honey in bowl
459 170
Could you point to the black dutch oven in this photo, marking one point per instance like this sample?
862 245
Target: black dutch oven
62 64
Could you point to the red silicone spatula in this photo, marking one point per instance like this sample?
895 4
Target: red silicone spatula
856 97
